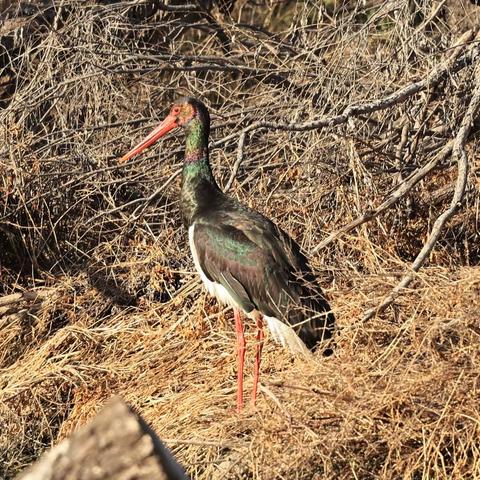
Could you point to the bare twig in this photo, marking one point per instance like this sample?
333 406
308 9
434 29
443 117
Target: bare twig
236 166
399 157
394 197
435 76
15 298
461 158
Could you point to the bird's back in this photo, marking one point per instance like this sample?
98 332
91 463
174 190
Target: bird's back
262 268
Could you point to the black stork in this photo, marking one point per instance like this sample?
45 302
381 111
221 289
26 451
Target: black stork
244 259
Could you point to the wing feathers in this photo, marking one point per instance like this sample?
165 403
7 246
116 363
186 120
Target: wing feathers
263 269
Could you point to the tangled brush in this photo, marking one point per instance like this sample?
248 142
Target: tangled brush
353 125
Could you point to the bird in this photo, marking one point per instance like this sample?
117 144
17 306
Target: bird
244 259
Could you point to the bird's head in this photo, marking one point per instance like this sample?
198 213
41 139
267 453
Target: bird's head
186 112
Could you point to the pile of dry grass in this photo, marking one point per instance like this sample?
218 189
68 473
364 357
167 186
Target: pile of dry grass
119 308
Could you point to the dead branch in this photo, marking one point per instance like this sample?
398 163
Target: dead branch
436 75
460 156
15 298
405 187
452 64
239 160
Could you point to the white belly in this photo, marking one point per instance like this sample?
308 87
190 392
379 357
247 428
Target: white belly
281 332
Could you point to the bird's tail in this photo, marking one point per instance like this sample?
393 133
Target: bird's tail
284 334
301 308
317 326
313 319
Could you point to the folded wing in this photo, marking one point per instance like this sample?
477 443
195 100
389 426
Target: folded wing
262 269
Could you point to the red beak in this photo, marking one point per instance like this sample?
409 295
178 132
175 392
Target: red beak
168 124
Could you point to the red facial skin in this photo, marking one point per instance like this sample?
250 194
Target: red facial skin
179 115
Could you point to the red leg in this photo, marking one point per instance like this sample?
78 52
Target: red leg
241 358
258 357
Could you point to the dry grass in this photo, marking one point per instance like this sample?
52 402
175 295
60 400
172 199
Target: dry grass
121 310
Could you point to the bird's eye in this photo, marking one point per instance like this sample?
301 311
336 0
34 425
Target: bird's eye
176 110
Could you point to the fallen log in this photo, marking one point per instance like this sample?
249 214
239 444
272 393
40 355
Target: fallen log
18 297
116 444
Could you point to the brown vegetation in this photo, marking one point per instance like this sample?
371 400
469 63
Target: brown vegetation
322 112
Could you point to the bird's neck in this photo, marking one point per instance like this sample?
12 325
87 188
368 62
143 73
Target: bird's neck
199 188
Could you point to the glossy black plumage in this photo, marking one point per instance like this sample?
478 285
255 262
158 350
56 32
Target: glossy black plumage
244 259
261 267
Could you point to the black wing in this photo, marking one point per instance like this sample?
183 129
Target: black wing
263 269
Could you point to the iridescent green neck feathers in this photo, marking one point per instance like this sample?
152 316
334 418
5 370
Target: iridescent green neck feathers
196 147
199 189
